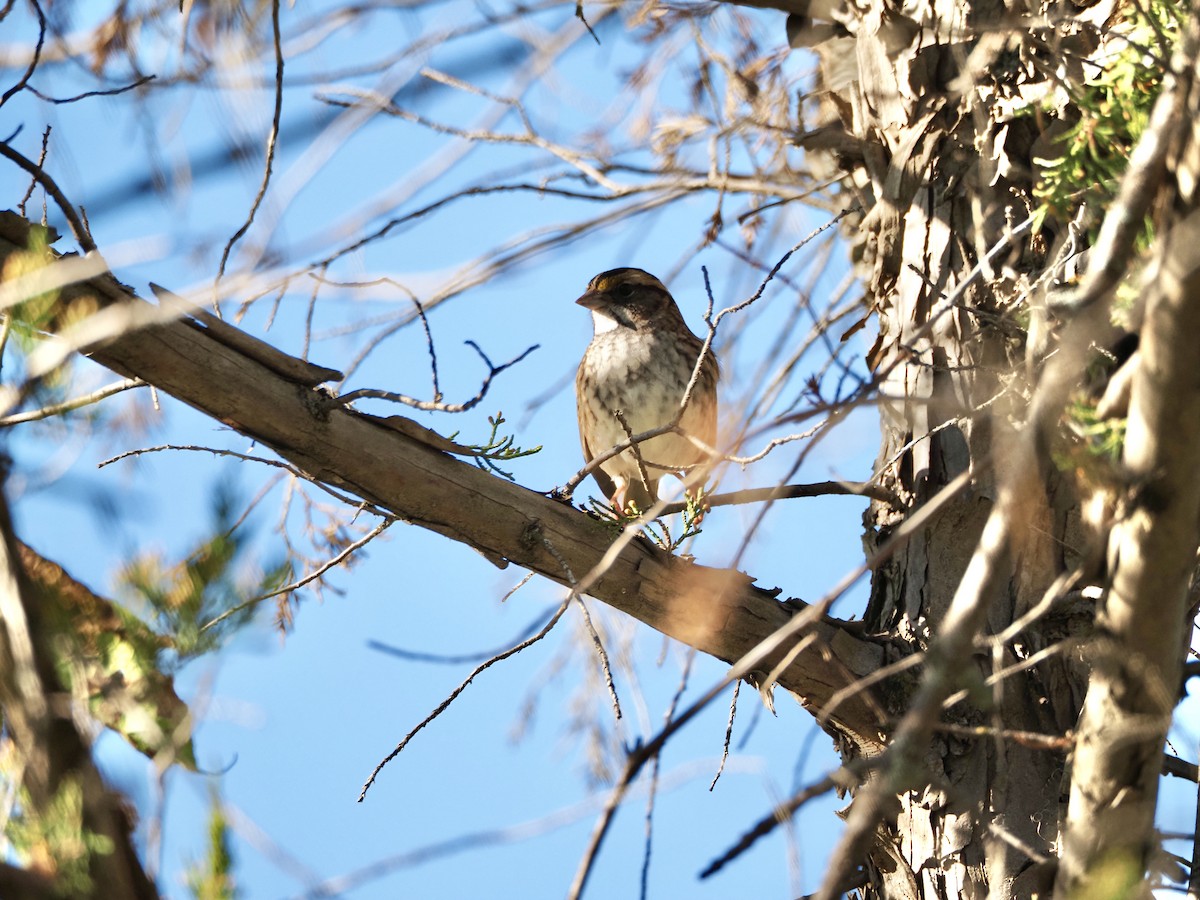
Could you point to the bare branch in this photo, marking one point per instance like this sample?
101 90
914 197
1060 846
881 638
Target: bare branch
70 405
444 705
689 658
82 235
272 139
33 181
23 82
318 572
845 778
233 454
436 404
795 491
737 689
111 92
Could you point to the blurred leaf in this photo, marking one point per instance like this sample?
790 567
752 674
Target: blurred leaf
212 879
1111 110
57 843
179 599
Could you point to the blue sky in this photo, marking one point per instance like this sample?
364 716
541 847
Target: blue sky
295 723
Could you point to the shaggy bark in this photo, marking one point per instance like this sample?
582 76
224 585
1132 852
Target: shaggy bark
944 176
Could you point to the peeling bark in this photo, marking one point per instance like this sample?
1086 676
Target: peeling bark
944 175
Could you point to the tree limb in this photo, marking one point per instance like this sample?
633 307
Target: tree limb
1138 660
719 612
55 757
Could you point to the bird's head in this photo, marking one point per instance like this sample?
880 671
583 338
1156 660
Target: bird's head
628 298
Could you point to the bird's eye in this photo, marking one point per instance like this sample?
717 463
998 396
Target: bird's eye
624 291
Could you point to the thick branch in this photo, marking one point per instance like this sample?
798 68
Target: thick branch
1138 664
390 463
54 756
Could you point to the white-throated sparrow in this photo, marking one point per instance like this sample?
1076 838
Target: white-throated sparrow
638 365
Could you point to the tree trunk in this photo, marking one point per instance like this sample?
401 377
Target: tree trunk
944 181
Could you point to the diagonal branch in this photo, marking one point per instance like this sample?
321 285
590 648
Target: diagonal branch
720 612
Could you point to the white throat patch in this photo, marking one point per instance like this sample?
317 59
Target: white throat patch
602 323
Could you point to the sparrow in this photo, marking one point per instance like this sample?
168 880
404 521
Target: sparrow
638 366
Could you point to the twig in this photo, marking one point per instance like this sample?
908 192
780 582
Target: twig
460 658
737 688
601 653
279 464
654 773
872 678
437 391
112 92
1063 646
434 405
349 551
796 491
1036 739
847 777
82 235
577 596
68 405
441 708
272 139
33 61
770 276
311 311
634 447
586 24
41 163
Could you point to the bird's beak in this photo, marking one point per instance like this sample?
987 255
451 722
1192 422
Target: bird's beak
593 300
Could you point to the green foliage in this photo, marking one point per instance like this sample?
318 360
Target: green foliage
1115 876
1090 448
59 834
27 320
177 600
1103 439
659 530
212 878
498 448
33 313
693 513
1113 107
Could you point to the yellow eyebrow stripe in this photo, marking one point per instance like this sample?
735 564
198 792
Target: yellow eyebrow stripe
610 282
